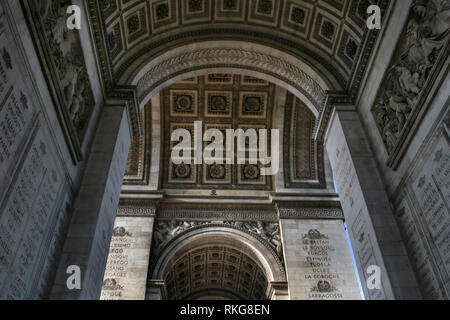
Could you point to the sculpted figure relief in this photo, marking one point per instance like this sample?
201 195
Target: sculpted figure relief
427 32
68 59
164 231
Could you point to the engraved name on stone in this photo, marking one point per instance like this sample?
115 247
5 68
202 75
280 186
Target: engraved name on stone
417 252
432 192
25 219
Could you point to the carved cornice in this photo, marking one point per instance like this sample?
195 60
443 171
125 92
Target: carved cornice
311 213
219 214
134 211
137 208
333 99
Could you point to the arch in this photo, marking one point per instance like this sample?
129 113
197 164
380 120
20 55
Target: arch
238 57
220 234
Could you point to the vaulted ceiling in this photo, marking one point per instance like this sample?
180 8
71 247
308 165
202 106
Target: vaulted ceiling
226 101
228 272
329 37
327 31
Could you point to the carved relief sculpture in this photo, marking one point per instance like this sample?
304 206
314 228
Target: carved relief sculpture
426 35
63 61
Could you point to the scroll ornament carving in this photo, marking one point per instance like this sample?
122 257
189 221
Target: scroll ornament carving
69 61
427 32
167 230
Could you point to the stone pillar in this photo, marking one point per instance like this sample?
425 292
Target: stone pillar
373 230
95 208
317 256
129 254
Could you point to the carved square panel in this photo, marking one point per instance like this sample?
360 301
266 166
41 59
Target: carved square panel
196 10
219 78
297 17
182 173
164 14
216 174
108 8
227 10
256 127
264 11
219 104
326 30
114 40
136 26
253 105
250 174
222 128
358 13
183 103
348 48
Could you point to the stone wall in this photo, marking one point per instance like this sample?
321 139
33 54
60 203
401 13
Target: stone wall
416 182
38 174
129 253
318 261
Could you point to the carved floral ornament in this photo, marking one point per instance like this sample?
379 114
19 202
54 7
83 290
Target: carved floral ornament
425 36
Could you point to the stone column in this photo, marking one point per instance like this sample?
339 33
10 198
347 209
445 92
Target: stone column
317 256
129 254
373 230
95 208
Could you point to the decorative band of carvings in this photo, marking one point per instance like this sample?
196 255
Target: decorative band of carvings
135 211
217 56
158 251
268 215
311 213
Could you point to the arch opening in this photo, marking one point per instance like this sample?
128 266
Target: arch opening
150 75
217 262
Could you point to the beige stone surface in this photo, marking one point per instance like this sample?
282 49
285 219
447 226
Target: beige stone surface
318 260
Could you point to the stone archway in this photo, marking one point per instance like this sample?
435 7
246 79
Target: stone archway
238 57
221 260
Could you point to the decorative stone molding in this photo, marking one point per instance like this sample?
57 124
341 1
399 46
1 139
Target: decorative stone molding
137 208
133 211
231 57
310 210
218 214
303 161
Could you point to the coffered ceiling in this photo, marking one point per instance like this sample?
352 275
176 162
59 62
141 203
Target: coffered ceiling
217 269
328 31
226 101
